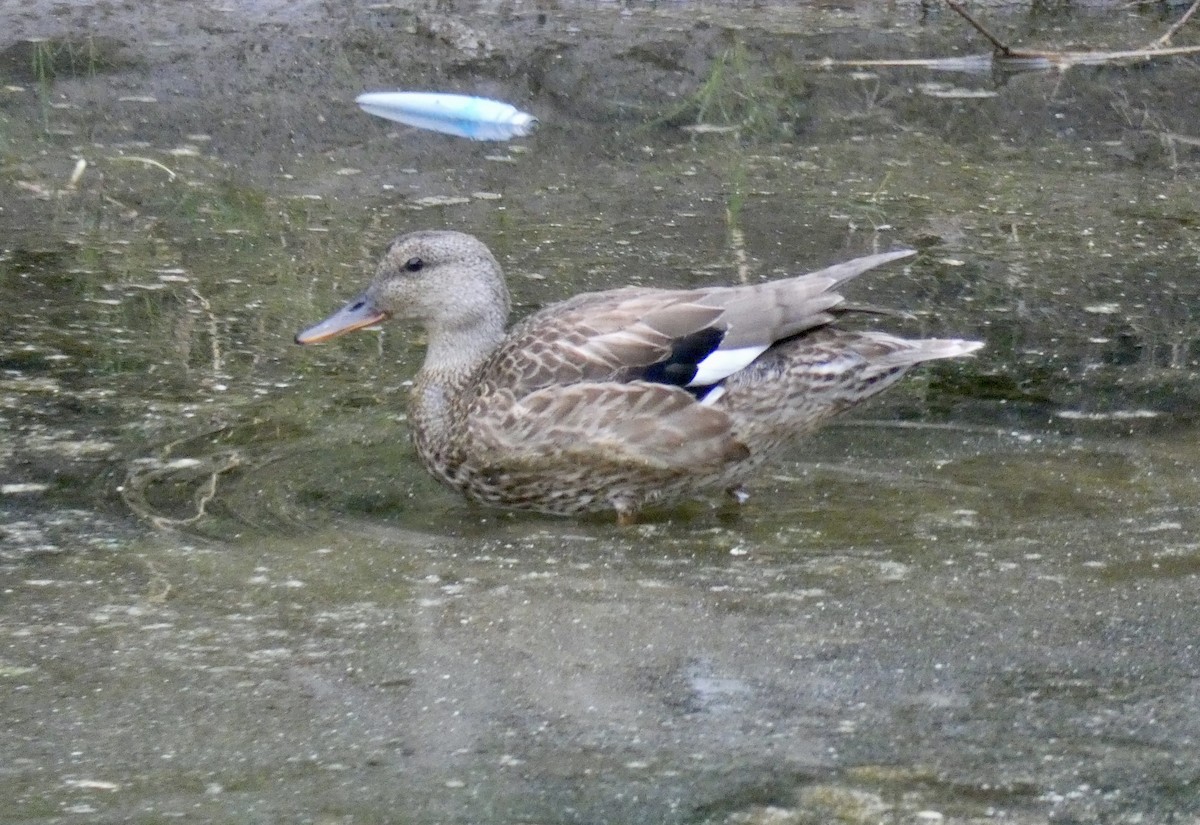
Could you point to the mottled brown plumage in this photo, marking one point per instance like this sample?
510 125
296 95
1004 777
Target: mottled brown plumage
616 400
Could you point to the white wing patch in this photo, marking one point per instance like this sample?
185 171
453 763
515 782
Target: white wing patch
723 363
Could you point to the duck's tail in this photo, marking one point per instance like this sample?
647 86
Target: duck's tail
796 386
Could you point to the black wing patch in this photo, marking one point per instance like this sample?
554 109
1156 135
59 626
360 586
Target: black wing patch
680 366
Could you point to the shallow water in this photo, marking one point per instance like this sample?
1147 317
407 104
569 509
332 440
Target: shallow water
230 594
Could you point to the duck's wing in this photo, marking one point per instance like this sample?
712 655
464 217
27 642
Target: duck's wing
598 337
639 425
686 338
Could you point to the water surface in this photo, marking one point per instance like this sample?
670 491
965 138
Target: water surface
230 594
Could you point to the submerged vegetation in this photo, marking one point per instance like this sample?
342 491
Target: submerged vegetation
744 95
51 60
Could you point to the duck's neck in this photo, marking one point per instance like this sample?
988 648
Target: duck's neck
437 415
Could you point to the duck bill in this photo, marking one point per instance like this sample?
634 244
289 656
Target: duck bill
359 313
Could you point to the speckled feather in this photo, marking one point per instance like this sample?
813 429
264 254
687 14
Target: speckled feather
585 406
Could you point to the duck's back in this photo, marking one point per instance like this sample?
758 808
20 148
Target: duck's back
593 403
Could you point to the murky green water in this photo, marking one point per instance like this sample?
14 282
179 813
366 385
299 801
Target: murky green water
228 592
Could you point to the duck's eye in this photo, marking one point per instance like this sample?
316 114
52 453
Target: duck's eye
414 264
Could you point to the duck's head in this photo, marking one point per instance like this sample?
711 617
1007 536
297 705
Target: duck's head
448 281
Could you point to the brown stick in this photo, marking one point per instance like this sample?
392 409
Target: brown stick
1162 41
997 44
1066 59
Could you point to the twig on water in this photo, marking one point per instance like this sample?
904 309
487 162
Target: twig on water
1004 56
1166 38
997 44
1007 58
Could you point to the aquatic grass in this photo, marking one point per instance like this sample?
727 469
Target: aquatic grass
734 204
43 73
67 58
741 93
237 206
51 59
8 143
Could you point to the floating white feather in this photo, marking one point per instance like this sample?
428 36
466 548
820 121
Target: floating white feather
723 363
712 396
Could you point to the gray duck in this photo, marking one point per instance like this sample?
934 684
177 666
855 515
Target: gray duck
620 399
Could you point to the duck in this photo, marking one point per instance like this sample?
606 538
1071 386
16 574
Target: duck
625 399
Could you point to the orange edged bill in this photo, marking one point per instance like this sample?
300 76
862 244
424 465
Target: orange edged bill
359 313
